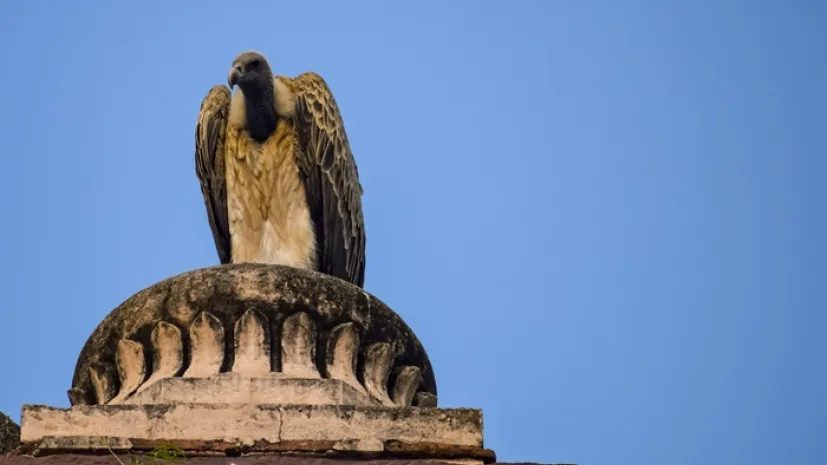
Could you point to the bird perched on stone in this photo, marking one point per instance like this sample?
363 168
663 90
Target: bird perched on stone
279 180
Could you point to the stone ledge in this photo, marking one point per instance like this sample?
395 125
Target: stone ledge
107 458
361 449
349 431
229 388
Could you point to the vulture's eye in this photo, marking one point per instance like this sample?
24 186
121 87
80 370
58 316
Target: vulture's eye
254 64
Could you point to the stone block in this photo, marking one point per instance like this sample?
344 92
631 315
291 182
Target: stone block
229 388
368 431
455 426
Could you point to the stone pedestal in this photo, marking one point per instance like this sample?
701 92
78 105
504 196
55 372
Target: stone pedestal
255 359
205 429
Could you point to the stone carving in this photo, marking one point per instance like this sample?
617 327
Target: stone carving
376 371
255 359
342 354
206 346
298 344
167 353
102 382
407 379
131 369
254 321
252 344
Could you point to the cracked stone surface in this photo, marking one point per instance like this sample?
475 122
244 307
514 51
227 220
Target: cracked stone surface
255 320
368 431
230 388
269 459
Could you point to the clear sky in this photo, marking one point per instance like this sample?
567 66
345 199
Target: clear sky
605 222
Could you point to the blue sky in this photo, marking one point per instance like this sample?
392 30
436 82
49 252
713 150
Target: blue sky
605 222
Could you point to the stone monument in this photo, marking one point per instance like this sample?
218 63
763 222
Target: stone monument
251 359
254 360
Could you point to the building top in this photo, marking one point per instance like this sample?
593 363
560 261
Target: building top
254 321
251 363
251 359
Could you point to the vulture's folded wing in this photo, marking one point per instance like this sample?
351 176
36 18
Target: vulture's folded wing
334 194
209 165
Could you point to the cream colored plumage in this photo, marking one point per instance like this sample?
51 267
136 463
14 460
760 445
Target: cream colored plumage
278 178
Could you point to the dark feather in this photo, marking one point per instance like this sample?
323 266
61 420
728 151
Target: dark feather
209 165
328 169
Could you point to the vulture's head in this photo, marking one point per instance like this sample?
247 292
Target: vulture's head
250 70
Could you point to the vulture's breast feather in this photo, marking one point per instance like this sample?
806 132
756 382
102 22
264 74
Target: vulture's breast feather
267 207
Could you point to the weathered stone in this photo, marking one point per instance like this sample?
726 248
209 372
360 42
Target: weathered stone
109 451
376 371
167 353
342 355
103 382
424 399
129 357
9 434
229 388
298 347
167 422
84 443
234 316
39 422
194 456
253 344
407 379
257 427
206 346
195 451
337 423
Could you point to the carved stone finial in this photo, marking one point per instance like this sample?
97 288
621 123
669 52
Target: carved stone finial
376 370
298 347
252 344
206 346
102 381
342 355
167 353
235 317
256 358
407 380
129 357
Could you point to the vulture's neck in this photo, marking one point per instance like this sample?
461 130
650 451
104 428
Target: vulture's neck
260 109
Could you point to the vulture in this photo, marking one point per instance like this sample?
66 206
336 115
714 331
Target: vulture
278 178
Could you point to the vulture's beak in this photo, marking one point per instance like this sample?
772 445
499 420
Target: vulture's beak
235 73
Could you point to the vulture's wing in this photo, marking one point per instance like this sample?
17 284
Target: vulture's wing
209 165
331 179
